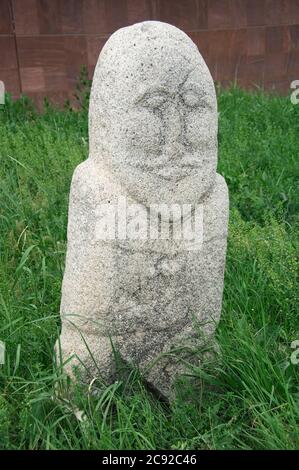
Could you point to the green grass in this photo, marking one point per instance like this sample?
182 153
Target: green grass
249 397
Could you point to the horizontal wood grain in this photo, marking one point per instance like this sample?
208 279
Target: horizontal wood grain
44 43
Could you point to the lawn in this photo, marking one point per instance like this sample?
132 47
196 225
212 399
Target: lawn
249 395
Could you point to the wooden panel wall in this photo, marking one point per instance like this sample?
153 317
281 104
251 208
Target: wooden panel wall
43 43
9 71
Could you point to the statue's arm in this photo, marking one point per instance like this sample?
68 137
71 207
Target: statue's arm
80 257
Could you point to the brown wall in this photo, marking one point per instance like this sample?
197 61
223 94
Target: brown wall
43 43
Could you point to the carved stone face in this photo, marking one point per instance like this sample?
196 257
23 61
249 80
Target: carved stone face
153 114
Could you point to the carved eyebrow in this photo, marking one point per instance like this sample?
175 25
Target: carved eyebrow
199 93
193 87
152 92
153 99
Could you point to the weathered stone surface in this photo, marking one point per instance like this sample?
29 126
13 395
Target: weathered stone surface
153 139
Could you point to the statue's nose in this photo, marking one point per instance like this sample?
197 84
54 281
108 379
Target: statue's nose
174 129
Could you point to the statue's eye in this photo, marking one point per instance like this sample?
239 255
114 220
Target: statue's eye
191 98
154 100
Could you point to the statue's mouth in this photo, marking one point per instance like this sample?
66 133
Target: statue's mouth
174 173
171 169
172 162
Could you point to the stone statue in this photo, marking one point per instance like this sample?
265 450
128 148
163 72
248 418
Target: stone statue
146 289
